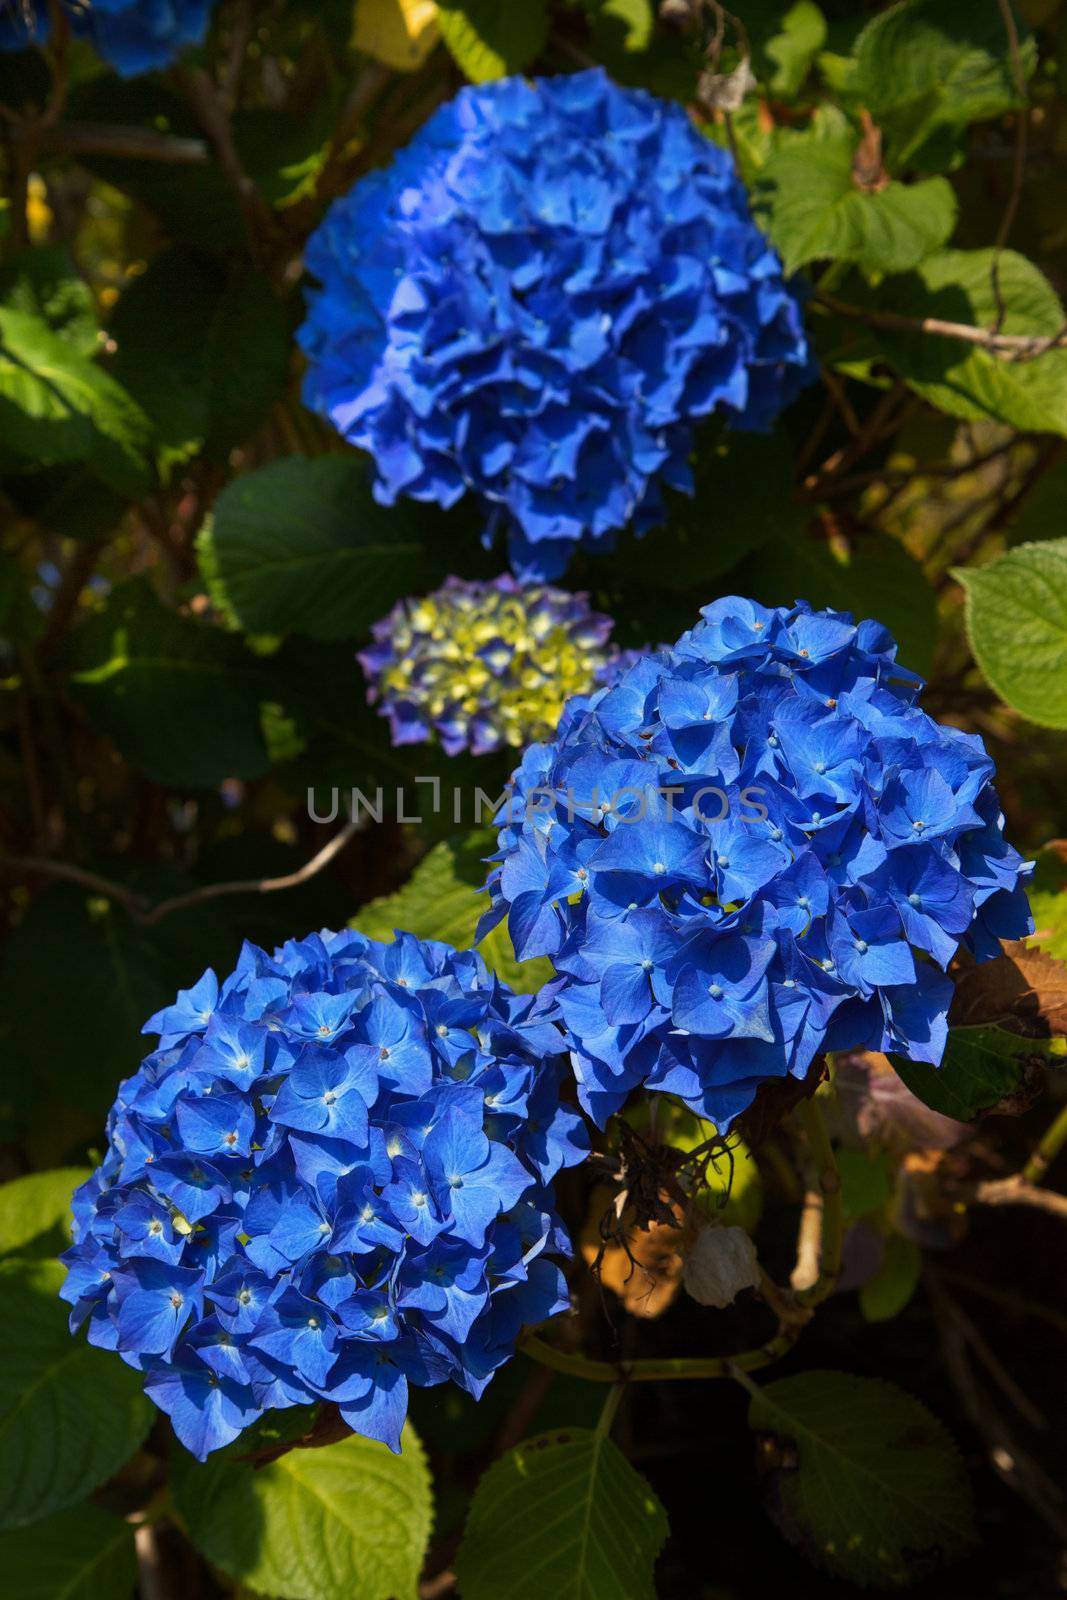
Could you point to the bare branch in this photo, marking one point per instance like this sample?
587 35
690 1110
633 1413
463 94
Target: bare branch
148 915
1016 1192
115 139
1007 346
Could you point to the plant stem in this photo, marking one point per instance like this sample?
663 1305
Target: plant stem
656 1369
811 1120
610 1407
1046 1151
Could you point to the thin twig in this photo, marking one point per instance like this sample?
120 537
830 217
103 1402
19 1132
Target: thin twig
1016 1192
211 112
147 915
127 143
1007 346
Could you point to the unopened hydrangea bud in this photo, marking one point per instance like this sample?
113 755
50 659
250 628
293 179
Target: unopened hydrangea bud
484 666
718 1265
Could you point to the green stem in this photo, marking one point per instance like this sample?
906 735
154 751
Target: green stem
656 1369
1045 1153
610 1407
811 1120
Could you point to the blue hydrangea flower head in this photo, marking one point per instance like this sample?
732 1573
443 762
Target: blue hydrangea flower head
329 1181
752 847
134 36
536 302
483 666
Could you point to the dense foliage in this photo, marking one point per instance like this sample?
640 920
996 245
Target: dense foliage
567 494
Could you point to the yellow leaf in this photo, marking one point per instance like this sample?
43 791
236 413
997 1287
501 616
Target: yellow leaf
401 33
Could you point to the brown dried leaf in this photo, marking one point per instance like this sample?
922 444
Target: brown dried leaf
1023 990
649 1282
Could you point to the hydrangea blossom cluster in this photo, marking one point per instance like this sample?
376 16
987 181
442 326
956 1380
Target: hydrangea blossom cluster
135 36
537 300
755 846
484 665
330 1180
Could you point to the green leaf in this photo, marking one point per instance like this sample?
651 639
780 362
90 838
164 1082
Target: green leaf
83 1554
981 1067
300 545
929 65
801 35
56 405
35 1212
203 351
866 1182
784 43
1017 625
63 1063
876 1494
743 497
625 25
342 1521
180 699
878 578
563 1514
963 379
814 211
70 1415
490 39
441 901
884 1296
1048 900
43 282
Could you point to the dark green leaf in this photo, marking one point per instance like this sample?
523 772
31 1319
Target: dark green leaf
1017 625
56 405
83 1554
70 1414
203 351
876 1494
180 699
340 1521
982 1066
564 1515
301 546
884 1296
490 40
64 1062
927 65
743 497
815 211
963 379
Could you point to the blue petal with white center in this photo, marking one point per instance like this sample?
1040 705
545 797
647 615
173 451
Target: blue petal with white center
789 876
323 1184
537 301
